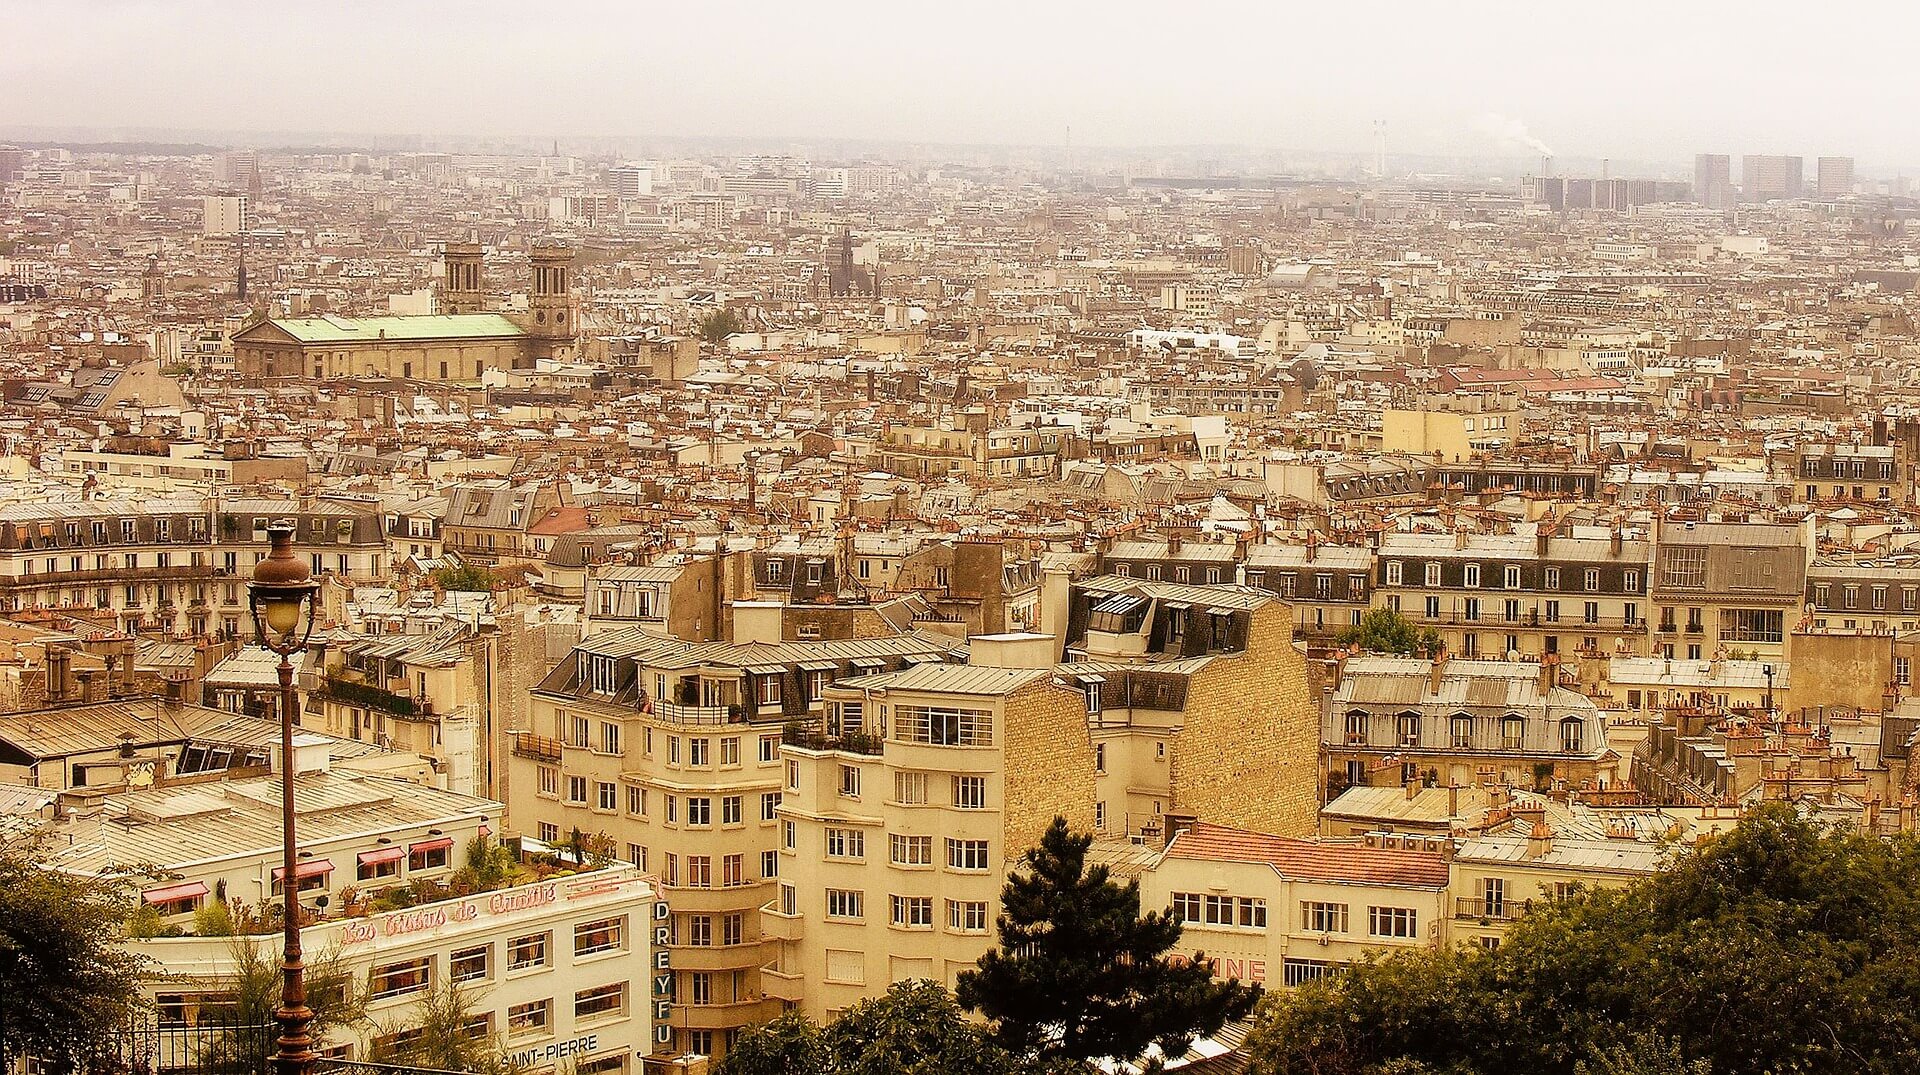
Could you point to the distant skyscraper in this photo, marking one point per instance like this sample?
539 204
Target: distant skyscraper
1713 180
1834 176
238 169
1768 177
225 214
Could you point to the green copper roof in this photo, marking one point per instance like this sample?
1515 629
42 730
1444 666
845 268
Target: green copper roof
364 329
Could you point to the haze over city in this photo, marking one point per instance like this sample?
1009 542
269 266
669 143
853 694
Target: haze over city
1637 80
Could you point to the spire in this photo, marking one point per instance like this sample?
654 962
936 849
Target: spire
240 274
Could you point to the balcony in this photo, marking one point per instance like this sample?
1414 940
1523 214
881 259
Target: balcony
1486 910
674 713
372 697
536 747
782 985
778 926
805 737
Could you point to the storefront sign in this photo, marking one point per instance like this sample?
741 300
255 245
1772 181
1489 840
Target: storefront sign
555 1050
662 976
401 923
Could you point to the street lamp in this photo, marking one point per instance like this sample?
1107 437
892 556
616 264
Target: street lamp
282 597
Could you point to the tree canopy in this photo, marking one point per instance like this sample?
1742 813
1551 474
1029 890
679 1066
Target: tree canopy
1783 946
66 987
1080 974
1382 630
915 1029
721 323
465 577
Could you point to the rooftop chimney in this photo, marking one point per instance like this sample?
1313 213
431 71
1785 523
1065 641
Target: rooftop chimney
89 692
59 661
1549 671
1539 839
1438 669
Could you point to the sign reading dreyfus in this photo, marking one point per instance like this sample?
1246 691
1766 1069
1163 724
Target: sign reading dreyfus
662 977
401 923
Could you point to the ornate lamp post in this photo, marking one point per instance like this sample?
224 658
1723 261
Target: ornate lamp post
282 598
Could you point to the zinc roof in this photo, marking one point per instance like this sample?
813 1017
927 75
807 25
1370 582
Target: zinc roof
365 329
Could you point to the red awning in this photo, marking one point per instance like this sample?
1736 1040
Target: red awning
305 869
430 845
384 854
171 893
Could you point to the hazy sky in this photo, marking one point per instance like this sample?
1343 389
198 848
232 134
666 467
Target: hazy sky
1621 78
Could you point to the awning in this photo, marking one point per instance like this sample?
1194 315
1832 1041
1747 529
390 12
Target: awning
170 893
305 869
380 855
1090 678
868 662
818 666
766 669
430 845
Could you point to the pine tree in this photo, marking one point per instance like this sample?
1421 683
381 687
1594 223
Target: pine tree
1080 974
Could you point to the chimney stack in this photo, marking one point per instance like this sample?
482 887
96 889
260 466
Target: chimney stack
1437 670
1549 671
59 662
1539 839
89 693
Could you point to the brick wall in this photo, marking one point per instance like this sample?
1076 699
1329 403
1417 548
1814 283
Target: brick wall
1248 753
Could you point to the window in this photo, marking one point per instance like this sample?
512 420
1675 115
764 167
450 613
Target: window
1551 579
469 964
1471 575
388 865
970 792
911 850
966 854
730 810
529 1018
431 857
1630 582
673 808
608 795
528 951
845 903
912 912
733 871
1571 735
732 929
1433 573
637 854
700 987
600 935
769 748
1216 910
1298 972
1684 567
1750 625
547 832
850 781
730 750
1513 730
793 775
699 932
609 738
910 788
637 802
699 752
1394 570
399 979
846 844
1510 576
699 871
967 916
699 810
1592 580
577 789
1392 922
601 1000
769 690
944 726
1462 731
787 835
1099 757
1316 917
769 864
1590 612
769 805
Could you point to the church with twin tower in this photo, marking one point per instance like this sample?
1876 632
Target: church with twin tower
469 336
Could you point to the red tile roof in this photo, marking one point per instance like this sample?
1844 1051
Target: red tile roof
1311 860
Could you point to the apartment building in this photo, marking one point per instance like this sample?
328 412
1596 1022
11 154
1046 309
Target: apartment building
682 599
1330 587
1733 587
1862 595
1397 720
490 521
557 966
1282 912
171 564
1498 877
899 821
1519 595
1850 473
425 692
668 753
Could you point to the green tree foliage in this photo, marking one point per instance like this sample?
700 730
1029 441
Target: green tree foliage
915 1029
1783 946
253 991
465 577
213 919
440 1034
1382 630
65 985
718 325
1080 974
